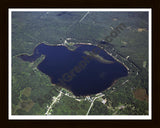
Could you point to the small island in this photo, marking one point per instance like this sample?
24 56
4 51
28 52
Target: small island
98 57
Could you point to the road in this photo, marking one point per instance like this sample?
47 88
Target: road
53 102
83 17
125 82
92 103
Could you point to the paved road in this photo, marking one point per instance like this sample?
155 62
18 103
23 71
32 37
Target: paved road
53 102
92 103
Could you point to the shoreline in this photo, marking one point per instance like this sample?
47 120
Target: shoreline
62 44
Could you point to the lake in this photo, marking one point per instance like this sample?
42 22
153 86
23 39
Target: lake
86 70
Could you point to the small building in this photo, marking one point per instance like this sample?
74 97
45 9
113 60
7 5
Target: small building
141 29
127 57
104 101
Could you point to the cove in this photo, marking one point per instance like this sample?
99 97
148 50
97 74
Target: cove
97 73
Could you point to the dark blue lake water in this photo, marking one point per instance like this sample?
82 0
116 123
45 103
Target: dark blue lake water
75 71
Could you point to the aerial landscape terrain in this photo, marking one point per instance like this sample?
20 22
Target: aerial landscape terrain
80 63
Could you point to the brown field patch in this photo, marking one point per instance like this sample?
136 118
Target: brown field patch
140 94
26 91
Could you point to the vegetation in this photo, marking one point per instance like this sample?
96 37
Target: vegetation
98 57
